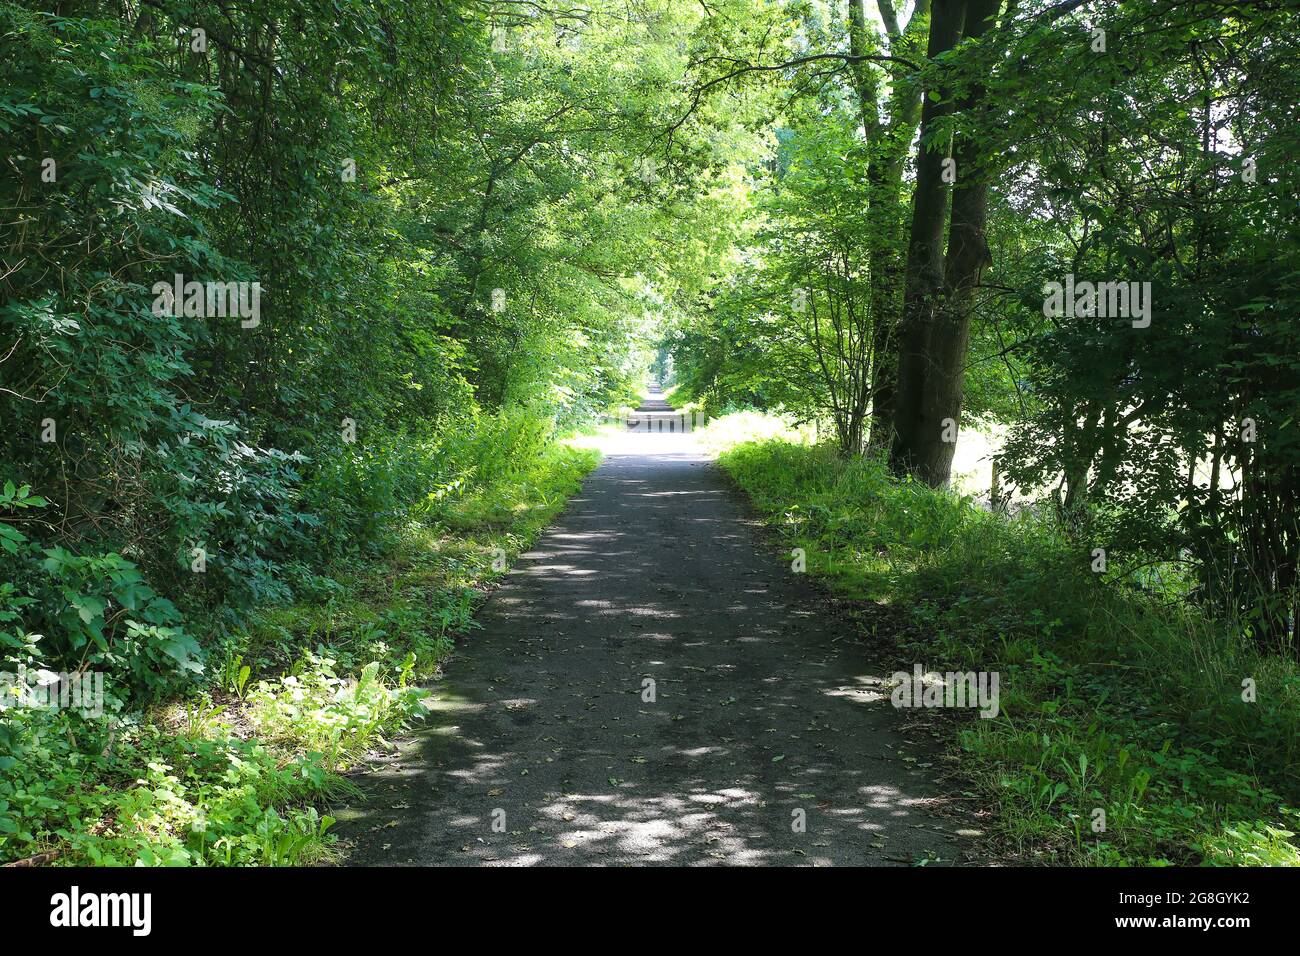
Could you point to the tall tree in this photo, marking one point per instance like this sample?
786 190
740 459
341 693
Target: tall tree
914 432
940 288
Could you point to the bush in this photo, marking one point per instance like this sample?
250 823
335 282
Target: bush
76 613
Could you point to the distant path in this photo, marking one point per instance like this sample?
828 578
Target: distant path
763 705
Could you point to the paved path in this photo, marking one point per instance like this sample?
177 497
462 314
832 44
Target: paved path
764 708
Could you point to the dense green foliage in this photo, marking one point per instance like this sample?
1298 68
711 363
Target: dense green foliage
448 256
454 256
239 773
1134 143
300 298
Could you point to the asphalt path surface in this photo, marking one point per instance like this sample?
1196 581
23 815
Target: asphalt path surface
652 684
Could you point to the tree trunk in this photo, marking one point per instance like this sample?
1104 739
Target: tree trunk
923 278
937 327
886 162
884 303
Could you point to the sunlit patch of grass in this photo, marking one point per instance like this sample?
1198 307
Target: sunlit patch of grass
736 427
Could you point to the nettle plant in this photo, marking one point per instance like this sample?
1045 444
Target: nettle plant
19 645
227 509
106 618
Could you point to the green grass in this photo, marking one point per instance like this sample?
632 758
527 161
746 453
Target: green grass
242 771
1114 698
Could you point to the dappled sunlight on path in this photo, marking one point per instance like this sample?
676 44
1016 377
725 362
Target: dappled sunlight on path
764 710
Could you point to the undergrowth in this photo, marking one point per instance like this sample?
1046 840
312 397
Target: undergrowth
240 770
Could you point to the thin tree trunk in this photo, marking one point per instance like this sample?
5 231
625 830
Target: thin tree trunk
886 162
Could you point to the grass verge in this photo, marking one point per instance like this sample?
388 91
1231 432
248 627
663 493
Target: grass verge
1128 732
